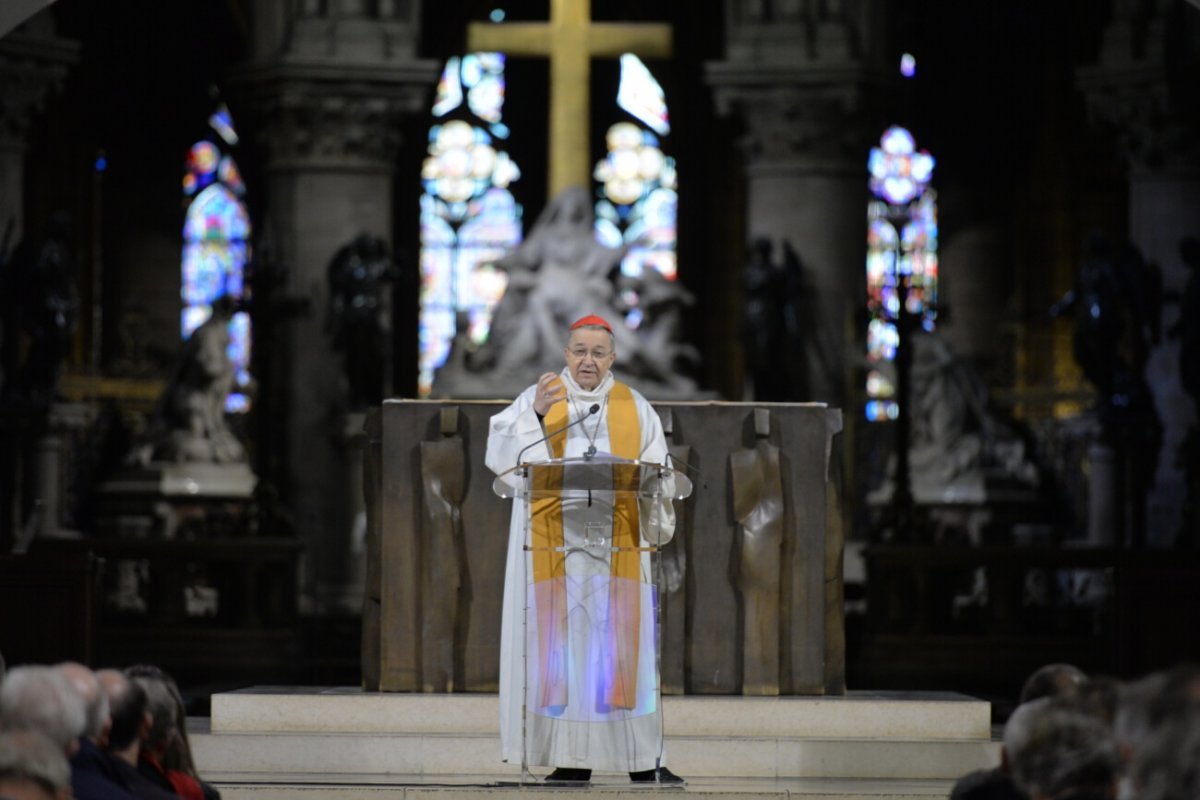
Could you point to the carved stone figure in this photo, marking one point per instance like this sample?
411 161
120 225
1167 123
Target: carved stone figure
811 369
560 273
758 507
958 447
956 440
1188 331
763 283
658 352
39 305
1115 303
443 487
360 278
189 421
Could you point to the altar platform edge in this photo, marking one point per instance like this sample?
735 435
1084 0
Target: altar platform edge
326 743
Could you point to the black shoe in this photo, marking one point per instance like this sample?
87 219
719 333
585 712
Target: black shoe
570 775
665 776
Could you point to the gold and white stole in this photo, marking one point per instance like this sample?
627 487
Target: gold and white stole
549 561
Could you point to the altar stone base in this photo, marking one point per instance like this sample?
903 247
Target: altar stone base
317 743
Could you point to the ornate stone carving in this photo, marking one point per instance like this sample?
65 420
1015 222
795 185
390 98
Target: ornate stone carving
334 121
331 81
337 31
800 74
758 507
788 122
31 66
444 486
1145 85
795 31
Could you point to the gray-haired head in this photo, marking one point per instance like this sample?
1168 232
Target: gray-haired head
1167 766
1053 680
1133 725
1019 728
1066 751
42 699
95 700
32 765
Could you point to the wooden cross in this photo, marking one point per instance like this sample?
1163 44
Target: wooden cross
570 39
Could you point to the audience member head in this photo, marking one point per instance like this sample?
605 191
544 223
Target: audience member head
32 767
172 748
1155 726
1098 697
1067 754
1052 680
1177 697
127 707
1167 766
161 707
40 698
1132 725
1019 729
95 701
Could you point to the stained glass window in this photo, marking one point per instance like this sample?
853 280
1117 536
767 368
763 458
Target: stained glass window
216 244
637 198
901 257
468 217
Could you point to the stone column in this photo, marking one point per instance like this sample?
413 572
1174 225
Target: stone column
1144 85
330 85
803 78
972 280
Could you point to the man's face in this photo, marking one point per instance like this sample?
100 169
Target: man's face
590 356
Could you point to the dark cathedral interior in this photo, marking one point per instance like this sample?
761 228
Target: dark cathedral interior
1027 492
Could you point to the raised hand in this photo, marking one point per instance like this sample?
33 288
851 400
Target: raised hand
550 390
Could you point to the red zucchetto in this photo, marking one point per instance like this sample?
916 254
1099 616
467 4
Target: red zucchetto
591 319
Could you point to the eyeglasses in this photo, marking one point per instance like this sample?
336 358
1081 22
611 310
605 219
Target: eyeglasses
579 354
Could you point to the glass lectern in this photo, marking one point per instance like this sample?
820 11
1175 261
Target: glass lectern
593 527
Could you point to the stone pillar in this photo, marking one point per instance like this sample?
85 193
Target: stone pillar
1144 85
33 62
803 77
972 282
330 85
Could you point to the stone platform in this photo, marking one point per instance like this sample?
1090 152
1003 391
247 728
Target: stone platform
318 743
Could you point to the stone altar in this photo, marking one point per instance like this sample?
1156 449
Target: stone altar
810 644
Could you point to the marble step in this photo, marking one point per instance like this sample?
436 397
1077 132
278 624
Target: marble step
307 737
266 756
614 789
862 715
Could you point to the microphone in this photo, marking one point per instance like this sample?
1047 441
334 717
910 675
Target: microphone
595 407
684 463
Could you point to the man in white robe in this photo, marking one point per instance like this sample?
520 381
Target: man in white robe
590 682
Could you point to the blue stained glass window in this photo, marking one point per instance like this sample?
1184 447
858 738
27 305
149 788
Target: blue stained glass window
469 219
216 246
902 257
